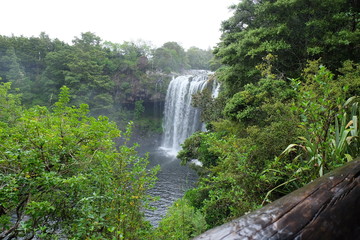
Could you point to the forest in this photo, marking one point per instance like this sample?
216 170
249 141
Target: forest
288 112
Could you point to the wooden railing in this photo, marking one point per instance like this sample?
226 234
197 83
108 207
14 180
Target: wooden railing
327 208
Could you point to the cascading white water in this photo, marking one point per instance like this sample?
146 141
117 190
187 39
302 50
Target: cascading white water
215 89
180 121
180 118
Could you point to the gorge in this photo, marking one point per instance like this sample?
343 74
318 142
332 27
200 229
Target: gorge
180 120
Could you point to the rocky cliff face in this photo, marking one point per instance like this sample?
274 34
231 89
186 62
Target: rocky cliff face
149 87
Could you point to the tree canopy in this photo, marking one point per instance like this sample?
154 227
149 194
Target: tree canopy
288 108
294 31
61 174
288 112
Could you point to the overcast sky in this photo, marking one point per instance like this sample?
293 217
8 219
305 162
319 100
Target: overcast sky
188 22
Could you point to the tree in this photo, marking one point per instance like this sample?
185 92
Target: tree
83 67
295 31
61 175
23 63
129 63
170 57
87 40
199 58
13 71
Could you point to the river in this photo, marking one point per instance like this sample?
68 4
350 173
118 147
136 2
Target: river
173 180
180 120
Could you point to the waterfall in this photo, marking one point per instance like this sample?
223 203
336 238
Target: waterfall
215 89
180 118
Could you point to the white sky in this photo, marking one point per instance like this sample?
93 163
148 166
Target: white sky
188 22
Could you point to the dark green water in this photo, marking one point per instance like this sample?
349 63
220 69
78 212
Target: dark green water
173 180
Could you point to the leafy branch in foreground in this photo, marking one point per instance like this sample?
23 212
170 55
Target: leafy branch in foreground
61 175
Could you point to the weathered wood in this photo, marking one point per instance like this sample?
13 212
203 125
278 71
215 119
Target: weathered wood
327 208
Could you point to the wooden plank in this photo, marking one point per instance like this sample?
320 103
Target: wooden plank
327 208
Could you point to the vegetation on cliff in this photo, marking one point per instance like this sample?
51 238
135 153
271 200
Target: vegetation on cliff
66 170
288 109
288 112
109 77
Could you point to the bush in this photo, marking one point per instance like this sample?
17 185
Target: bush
181 222
62 176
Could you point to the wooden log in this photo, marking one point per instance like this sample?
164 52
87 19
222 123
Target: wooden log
327 208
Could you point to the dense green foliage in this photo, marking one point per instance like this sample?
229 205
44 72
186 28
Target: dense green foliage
109 77
288 110
182 221
61 174
293 30
274 137
199 58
